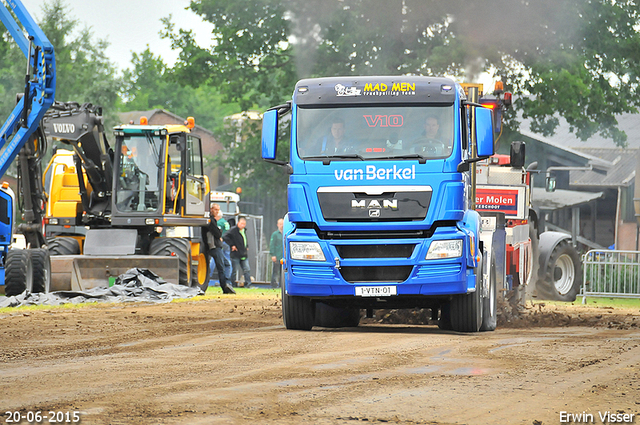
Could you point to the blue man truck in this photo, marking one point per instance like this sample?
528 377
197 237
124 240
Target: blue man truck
381 202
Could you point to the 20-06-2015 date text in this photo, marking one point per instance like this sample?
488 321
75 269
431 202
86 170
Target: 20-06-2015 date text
38 417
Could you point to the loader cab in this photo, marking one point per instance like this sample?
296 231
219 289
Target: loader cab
158 175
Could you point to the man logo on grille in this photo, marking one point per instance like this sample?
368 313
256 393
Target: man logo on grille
374 203
374 213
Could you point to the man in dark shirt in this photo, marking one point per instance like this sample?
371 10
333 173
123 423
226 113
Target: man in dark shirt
214 242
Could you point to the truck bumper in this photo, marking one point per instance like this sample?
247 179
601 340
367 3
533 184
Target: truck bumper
340 275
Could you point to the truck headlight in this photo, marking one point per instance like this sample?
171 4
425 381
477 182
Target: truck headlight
306 251
445 249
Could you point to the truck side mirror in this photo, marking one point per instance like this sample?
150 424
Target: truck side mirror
550 184
484 132
517 154
269 134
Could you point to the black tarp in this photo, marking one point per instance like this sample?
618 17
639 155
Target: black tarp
136 285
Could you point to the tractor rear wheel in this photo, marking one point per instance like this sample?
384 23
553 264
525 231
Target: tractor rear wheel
563 275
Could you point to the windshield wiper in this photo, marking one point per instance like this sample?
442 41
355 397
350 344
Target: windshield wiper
326 159
421 159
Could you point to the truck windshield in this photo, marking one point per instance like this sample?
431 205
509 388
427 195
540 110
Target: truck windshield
139 168
379 132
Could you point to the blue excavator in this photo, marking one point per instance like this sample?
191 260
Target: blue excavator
22 139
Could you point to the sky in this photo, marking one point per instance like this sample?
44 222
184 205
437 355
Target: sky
130 25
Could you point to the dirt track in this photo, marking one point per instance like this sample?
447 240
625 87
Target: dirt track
229 360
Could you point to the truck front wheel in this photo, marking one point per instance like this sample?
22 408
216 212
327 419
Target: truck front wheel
466 309
297 312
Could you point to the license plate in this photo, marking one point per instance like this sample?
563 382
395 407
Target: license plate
375 291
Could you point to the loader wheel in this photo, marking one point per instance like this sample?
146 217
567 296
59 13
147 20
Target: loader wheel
336 317
563 275
41 265
466 309
297 312
18 272
200 273
63 246
178 247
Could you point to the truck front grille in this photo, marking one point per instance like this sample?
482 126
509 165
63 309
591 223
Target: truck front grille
375 251
376 274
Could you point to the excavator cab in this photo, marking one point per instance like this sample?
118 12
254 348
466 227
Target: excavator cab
128 203
159 174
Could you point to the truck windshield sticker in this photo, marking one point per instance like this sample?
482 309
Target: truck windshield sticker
371 172
395 89
347 91
384 120
375 132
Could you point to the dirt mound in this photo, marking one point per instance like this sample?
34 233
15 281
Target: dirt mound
532 315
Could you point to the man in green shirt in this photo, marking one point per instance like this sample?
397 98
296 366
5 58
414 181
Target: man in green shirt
275 249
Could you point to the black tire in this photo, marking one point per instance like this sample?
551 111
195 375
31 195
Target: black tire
63 245
168 247
490 303
18 272
297 312
444 322
336 317
41 265
563 275
466 309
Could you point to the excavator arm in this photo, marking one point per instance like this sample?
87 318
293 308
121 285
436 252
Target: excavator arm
40 82
82 128
21 137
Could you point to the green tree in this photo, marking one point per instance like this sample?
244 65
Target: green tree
150 84
83 71
577 58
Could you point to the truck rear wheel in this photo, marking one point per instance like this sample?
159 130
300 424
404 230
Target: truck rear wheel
328 316
490 304
563 275
466 309
18 272
297 312
178 247
41 265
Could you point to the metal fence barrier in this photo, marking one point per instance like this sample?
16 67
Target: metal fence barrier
609 273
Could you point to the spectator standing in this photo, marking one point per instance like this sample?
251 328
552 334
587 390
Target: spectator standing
276 251
236 237
214 245
223 224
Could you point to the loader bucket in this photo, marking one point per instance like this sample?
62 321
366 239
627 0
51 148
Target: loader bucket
78 272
